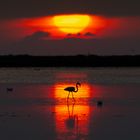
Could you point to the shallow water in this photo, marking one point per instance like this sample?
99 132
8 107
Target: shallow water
34 105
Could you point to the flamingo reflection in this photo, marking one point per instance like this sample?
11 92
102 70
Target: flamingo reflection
72 89
72 120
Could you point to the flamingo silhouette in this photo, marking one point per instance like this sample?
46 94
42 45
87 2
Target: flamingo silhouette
72 120
72 89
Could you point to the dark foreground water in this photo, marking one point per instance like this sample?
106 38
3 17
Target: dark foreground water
34 105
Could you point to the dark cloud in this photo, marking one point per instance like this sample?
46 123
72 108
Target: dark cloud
70 35
74 46
89 34
79 35
39 35
33 8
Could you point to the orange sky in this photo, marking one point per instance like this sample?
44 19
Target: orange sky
94 25
98 27
100 35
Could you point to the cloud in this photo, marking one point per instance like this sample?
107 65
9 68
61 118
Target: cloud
32 8
89 34
74 46
39 35
69 35
80 35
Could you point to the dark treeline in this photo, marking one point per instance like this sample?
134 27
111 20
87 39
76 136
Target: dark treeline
69 61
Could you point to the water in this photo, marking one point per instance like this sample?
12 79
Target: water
34 105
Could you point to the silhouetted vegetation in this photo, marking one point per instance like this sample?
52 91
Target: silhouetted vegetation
69 61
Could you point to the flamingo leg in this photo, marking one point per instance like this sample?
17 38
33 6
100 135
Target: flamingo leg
73 96
68 95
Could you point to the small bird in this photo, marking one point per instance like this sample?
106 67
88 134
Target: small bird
9 89
72 89
99 103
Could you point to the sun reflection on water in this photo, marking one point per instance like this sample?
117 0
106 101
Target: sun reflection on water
72 118
72 121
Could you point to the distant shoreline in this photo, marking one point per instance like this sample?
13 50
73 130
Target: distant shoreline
70 61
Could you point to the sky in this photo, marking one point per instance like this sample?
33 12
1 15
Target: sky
69 27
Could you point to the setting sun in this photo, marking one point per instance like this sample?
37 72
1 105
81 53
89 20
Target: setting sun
71 23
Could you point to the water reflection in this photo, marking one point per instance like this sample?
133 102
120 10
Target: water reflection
32 110
72 118
72 121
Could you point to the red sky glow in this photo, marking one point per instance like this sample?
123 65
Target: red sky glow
97 32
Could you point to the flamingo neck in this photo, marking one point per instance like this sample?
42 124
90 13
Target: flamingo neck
76 88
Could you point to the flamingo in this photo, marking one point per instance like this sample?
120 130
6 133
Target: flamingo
72 89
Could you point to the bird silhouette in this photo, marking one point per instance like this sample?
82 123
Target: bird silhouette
72 89
72 120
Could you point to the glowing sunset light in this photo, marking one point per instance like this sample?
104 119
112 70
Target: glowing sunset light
71 23
60 26
72 113
83 92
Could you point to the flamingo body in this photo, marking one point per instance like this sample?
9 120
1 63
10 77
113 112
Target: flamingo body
72 89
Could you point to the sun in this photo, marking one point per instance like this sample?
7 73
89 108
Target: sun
71 23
